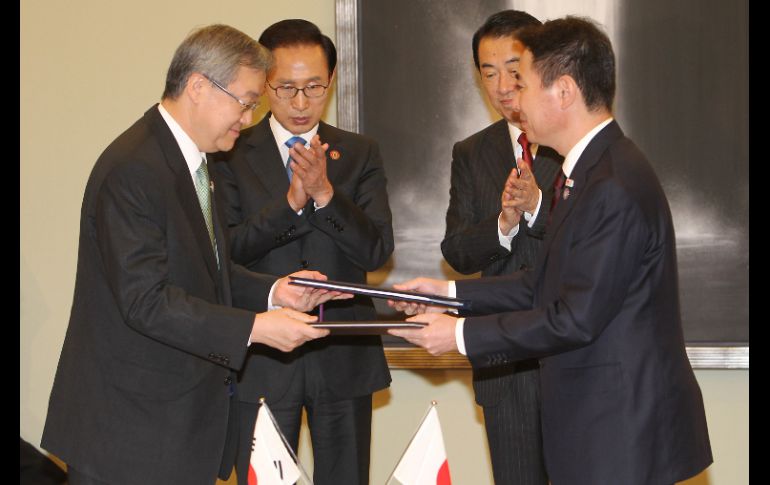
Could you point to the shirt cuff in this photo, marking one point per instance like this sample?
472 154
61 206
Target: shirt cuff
459 336
530 218
270 305
505 240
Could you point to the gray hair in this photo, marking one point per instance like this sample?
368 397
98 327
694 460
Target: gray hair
216 51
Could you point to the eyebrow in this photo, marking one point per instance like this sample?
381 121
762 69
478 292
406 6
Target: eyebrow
294 81
508 61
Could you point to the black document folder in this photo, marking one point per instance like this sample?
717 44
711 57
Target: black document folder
390 294
365 328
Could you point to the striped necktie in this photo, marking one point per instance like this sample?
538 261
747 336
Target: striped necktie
290 143
203 189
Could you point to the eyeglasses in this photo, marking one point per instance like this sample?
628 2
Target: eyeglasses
288 92
244 105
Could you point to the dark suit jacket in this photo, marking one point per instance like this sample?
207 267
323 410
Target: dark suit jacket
601 311
344 240
480 166
141 390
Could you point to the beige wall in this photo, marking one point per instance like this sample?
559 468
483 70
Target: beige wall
89 69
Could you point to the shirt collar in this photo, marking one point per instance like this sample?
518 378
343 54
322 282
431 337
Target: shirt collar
574 154
515 132
189 149
281 135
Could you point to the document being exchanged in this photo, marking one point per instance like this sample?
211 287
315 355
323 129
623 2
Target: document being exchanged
390 294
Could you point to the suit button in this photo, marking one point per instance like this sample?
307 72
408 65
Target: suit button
328 218
228 380
212 356
303 264
226 360
292 228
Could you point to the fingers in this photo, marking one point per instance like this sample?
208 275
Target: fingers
310 274
284 329
407 307
438 337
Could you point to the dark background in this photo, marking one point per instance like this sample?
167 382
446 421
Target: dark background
683 97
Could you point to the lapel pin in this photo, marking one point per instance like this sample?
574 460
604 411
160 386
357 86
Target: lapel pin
568 184
334 154
211 185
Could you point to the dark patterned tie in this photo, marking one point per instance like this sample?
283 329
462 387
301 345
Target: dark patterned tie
526 154
558 185
290 143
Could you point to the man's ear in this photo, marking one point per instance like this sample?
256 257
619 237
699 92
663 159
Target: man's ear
194 87
567 90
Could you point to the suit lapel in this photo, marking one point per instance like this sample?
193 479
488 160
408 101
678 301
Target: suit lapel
184 187
335 154
498 152
264 159
580 177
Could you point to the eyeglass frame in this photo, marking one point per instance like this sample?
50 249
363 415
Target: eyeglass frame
297 90
244 105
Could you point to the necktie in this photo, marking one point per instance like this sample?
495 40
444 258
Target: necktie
526 154
202 188
290 143
558 184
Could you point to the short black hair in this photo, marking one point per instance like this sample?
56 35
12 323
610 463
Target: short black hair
294 32
575 46
501 24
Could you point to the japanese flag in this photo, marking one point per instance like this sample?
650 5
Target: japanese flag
424 461
270 463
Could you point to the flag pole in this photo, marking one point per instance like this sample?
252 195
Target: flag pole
302 471
432 405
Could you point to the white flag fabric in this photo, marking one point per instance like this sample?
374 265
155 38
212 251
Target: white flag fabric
270 463
424 461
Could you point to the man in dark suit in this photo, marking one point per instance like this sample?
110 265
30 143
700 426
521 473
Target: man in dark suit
332 217
145 381
620 403
479 238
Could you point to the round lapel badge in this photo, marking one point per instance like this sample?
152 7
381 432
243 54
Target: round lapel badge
334 154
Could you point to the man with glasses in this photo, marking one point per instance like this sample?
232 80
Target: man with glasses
145 388
305 195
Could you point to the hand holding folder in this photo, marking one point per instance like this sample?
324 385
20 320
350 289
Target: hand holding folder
393 295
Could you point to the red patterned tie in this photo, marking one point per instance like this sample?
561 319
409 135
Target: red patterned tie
526 155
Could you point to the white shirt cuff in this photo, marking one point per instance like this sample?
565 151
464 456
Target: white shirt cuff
452 293
505 240
270 305
459 336
530 218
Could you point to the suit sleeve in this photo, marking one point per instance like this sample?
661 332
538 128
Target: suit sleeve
361 225
253 236
130 224
600 261
471 242
250 290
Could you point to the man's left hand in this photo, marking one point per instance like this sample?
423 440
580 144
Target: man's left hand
304 298
438 337
310 165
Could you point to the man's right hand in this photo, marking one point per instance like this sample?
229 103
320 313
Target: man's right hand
296 196
284 329
429 286
510 215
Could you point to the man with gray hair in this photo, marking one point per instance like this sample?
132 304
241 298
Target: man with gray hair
145 386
